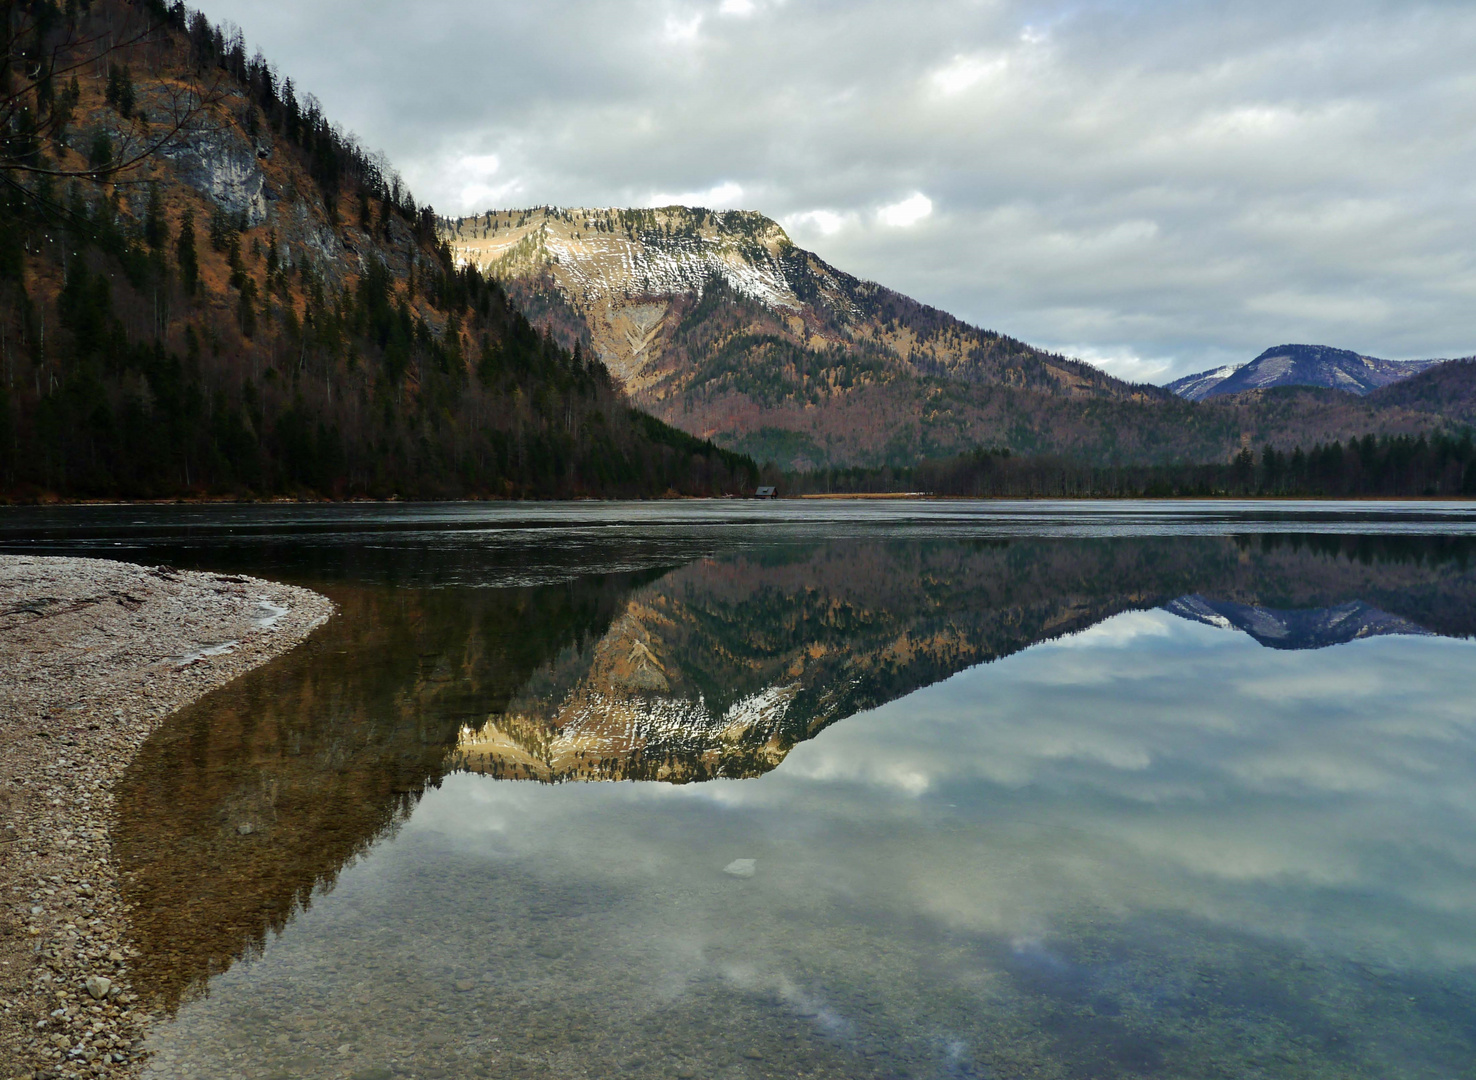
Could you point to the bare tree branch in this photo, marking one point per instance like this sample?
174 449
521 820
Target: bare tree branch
25 131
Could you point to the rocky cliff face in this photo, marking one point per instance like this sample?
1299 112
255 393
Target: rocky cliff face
218 161
622 271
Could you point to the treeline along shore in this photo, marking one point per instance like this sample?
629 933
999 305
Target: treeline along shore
1440 466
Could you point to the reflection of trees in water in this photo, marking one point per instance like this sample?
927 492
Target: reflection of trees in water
243 806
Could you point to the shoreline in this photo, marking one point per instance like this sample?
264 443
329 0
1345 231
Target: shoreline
920 496
94 655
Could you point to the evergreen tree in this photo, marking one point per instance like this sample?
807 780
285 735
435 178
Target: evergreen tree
100 153
185 255
156 228
120 94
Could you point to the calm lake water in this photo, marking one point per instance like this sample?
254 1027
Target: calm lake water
840 790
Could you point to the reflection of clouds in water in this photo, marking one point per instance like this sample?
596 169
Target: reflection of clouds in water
896 776
1280 688
1087 784
1127 629
1359 781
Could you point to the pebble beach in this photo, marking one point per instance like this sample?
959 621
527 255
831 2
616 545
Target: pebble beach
94 655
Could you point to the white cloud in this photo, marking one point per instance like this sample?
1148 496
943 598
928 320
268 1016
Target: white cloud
474 180
825 222
682 29
964 72
1120 632
1195 180
726 195
906 213
1122 362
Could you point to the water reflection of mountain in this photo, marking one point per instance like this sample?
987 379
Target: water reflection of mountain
239 808
1316 628
719 668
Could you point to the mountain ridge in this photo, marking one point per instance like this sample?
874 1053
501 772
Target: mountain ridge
1296 629
623 263
718 323
1300 365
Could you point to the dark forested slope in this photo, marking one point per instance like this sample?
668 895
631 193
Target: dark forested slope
207 288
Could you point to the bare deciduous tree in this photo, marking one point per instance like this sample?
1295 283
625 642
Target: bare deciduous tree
44 53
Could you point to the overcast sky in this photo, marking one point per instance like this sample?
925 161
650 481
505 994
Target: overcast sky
1158 187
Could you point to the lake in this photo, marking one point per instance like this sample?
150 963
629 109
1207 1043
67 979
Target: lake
850 789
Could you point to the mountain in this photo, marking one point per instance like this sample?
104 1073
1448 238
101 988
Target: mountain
1315 628
720 667
206 288
1300 365
635 279
720 325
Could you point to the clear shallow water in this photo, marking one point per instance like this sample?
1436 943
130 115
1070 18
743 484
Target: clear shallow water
1191 797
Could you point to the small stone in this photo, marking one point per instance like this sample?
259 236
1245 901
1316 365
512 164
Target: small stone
753 1055
741 867
463 985
245 828
98 986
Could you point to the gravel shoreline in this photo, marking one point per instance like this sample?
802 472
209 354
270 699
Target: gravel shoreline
93 656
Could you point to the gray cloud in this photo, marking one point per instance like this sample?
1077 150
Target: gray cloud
1158 186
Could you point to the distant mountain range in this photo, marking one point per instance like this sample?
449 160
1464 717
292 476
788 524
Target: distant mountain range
717 323
1300 365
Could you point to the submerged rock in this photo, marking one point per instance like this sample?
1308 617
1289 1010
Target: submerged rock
742 867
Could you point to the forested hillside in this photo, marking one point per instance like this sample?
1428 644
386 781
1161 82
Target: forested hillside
207 288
